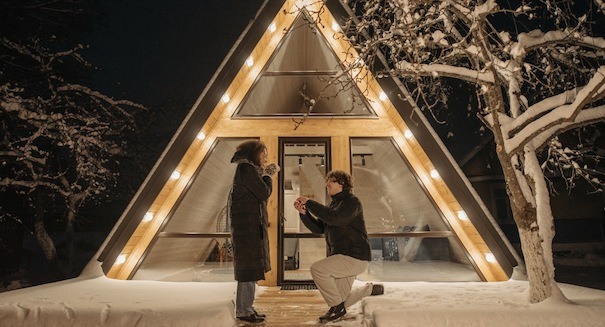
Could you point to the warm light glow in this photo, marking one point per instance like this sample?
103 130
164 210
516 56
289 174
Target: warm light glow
148 216
301 3
175 174
490 257
382 96
226 98
434 174
408 134
201 136
272 27
250 62
462 215
121 259
335 26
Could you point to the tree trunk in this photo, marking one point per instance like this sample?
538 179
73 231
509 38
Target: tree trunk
537 274
523 204
44 240
545 221
70 235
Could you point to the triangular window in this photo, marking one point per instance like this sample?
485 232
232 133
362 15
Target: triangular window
304 76
412 240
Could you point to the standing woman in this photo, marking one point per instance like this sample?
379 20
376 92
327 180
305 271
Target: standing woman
252 186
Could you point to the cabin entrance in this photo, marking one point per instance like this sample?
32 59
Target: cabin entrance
304 163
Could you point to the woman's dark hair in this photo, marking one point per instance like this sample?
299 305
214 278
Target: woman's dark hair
341 178
250 150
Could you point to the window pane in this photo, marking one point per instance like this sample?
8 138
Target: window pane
392 198
299 255
418 259
188 260
300 79
303 49
283 95
202 209
394 201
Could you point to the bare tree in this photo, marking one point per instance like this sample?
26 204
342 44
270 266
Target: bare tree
60 140
535 70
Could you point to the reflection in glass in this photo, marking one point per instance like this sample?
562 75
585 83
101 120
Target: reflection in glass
300 78
394 201
299 255
202 209
187 260
304 167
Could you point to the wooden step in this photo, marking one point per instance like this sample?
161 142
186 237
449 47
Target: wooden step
290 308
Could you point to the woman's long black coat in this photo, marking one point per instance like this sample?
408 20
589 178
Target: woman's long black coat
249 219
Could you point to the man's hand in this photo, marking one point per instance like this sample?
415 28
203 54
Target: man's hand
301 204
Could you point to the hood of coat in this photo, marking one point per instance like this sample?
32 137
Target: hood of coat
245 161
240 156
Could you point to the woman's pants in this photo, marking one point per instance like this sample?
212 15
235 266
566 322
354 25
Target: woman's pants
244 299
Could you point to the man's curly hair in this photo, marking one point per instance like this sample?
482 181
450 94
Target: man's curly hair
341 178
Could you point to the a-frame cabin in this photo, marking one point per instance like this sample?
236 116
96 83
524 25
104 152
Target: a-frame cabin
425 221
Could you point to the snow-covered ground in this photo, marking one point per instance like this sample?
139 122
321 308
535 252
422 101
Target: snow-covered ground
94 300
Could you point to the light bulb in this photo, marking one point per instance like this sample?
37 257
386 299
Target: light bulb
175 174
490 257
462 215
148 216
120 259
335 26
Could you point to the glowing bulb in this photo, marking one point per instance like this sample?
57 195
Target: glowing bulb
175 175
226 98
272 27
490 257
462 215
249 61
148 216
121 259
382 96
201 136
335 26
408 134
434 174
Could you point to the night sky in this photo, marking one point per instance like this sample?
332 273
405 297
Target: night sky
160 54
150 51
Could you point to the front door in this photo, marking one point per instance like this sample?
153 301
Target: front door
304 163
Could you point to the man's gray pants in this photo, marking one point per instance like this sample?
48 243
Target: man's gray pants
334 277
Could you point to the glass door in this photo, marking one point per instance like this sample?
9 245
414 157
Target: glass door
304 163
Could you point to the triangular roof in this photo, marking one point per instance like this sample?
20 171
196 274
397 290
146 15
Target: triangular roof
214 116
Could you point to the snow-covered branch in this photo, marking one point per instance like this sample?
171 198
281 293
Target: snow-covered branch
586 117
558 116
538 39
438 70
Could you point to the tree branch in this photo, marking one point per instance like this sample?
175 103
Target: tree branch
561 115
